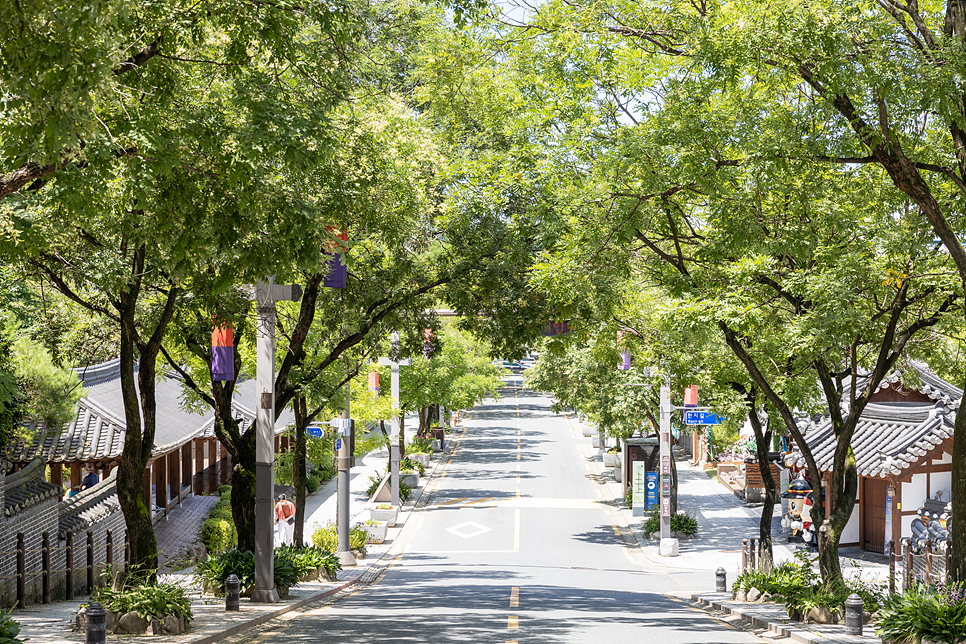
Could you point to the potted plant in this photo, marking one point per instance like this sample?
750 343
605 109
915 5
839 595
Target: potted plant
384 512
588 430
617 472
375 530
595 441
409 477
612 457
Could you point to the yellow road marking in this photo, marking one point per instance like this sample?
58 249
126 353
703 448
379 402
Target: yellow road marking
483 500
616 531
518 456
512 622
515 597
518 441
516 530
462 498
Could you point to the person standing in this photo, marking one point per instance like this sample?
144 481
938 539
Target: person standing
285 520
90 480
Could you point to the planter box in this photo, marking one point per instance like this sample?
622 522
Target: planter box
588 431
437 447
617 474
389 516
377 533
421 458
412 480
611 460
595 441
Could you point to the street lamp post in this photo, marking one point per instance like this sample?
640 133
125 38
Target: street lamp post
393 362
266 294
669 546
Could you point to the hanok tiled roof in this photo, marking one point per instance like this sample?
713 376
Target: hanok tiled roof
27 488
927 382
896 435
97 432
90 506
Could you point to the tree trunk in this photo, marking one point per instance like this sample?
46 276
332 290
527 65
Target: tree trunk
243 503
957 522
762 445
298 469
674 484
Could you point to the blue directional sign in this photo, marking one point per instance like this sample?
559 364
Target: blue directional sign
315 431
338 444
701 418
651 494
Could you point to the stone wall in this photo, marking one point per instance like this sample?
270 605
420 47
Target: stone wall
31 508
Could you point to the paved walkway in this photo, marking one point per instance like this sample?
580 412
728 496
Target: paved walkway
181 529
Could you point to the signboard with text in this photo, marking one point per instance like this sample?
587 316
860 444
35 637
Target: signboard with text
639 482
701 418
650 500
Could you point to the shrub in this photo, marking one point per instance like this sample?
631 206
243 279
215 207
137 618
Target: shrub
410 464
224 491
148 600
421 445
310 558
681 522
327 537
921 613
629 498
9 629
404 490
214 570
311 483
219 535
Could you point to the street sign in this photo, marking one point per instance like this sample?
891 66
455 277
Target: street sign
338 444
666 506
650 499
665 464
701 418
666 485
314 431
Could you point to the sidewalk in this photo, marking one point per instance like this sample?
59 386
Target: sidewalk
723 521
51 623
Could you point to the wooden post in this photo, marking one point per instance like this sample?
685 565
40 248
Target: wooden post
223 463
928 562
187 480
57 477
146 481
45 565
161 484
21 571
892 567
90 562
199 467
211 478
751 555
744 556
70 566
947 560
907 584
174 474
109 548
75 475
127 552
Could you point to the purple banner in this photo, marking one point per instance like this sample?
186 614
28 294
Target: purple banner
625 361
222 363
337 275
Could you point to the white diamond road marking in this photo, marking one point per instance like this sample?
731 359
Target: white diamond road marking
468 530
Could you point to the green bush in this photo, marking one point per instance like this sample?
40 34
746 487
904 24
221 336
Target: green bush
921 613
310 558
420 445
629 498
311 483
214 570
9 629
681 522
219 535
404 490
410 464
327 537
149 600
224 491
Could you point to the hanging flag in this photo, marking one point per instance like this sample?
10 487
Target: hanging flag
374 381
336 275
691 396
625 361
222 353
428 343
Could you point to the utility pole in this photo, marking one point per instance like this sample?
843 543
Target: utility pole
669 546
266 294
394 363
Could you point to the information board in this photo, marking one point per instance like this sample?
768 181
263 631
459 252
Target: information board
650 500
639 488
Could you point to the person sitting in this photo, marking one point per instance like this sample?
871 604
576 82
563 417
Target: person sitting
90 480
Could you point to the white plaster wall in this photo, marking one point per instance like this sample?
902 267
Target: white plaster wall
940 482
914 492
851 532
946 459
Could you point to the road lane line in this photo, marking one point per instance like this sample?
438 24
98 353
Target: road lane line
483 500
512 622
515 597
454 501
516 530
518 456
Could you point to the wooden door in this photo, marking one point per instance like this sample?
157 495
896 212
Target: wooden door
874 515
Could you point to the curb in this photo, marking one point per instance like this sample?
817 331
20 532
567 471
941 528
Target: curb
834 633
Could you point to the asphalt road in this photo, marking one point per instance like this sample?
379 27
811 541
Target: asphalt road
515 545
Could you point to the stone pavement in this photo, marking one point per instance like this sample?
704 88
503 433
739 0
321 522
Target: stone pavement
181 529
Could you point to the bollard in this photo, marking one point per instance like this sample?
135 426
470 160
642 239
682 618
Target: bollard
720 580
853 615
69 556
907 565
96 624
45 567
929 562
751 555
232 590
744 556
